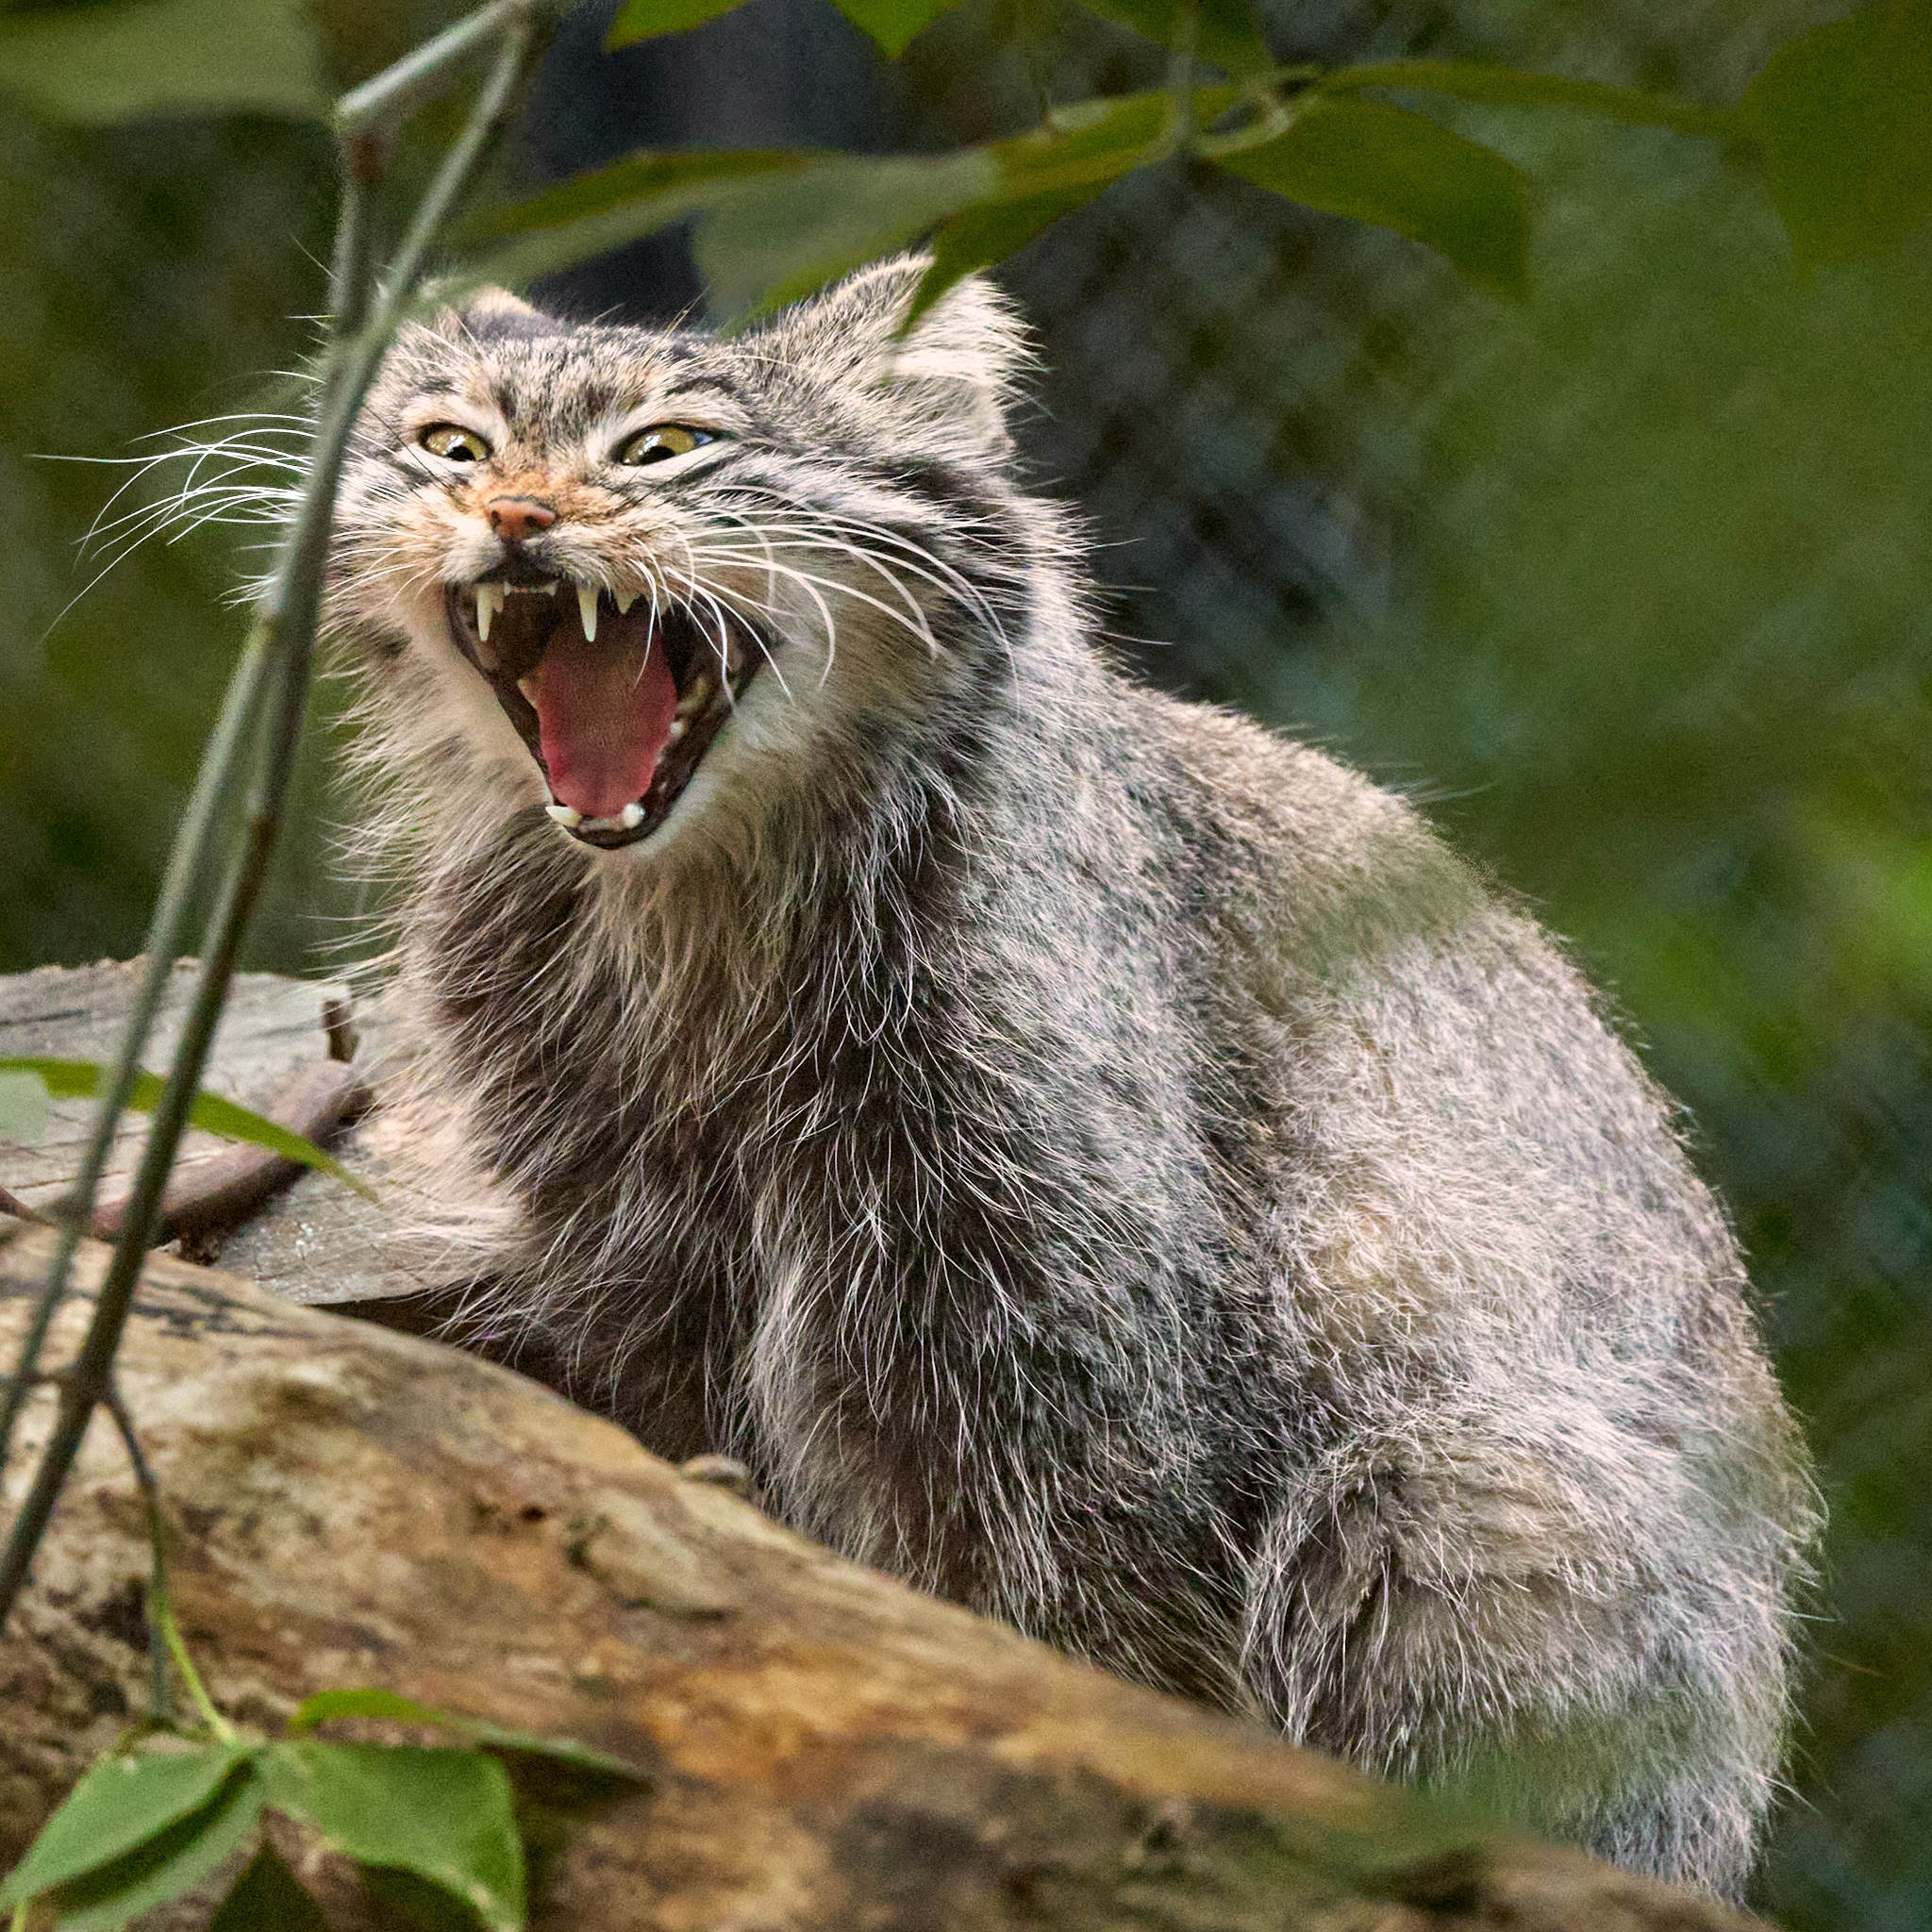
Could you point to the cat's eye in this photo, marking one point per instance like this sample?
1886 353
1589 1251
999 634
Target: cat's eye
663 441
452 443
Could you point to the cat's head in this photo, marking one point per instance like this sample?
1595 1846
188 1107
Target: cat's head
646 580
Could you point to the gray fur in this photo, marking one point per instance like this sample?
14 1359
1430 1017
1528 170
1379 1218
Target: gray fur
1096 1159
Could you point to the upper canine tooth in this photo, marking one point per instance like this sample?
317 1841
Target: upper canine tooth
489 602
586 609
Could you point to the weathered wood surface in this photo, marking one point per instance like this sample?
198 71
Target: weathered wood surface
828 1749
314 1241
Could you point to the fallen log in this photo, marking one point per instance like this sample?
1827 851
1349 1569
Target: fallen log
826 1748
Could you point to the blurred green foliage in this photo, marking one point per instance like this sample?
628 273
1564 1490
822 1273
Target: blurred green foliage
1631 584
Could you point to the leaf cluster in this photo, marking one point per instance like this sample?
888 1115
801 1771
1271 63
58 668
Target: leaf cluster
145 1826
1839 124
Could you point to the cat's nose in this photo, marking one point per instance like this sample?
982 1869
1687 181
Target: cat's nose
513 518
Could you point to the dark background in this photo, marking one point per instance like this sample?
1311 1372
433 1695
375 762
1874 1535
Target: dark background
1631 584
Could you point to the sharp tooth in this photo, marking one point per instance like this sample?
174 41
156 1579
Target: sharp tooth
679 727
489 602
631 816
565 816
696 697
529 687
623 600
586 609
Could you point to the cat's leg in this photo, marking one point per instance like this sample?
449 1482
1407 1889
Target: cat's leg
1553 1632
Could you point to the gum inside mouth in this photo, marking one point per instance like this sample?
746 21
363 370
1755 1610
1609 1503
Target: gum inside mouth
617 705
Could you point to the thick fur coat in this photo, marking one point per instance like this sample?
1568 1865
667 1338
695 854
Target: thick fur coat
1094 1158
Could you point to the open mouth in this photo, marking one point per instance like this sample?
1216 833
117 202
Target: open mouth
617 702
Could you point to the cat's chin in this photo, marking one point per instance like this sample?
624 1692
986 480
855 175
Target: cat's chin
618 705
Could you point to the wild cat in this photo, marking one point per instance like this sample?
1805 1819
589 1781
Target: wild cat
1107 1164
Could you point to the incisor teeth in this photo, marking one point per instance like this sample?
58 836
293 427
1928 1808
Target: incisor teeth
586 609
489 602
565 816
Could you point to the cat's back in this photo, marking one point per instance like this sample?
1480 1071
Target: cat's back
1461 1158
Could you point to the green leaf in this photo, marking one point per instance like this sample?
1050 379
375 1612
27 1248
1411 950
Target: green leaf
443 1814
609 207
1471 80
373 1702
1403 171
645 19
1049 172
777 240
23 1109
779 223
267 1898
363 1701
166 1865
563 1750
165 57
81 1080
121 1802
893 23
1228 37
1846 115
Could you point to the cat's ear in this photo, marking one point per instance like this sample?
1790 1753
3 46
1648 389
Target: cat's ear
954 371
492 312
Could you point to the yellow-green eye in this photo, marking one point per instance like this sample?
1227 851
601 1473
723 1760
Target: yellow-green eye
454 446
659 445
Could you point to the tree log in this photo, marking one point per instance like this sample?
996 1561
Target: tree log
827 1747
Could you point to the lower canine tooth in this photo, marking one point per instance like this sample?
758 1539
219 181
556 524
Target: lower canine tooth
695 698
631 816
529 687
565 816
679 727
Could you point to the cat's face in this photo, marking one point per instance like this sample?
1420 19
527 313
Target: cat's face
636 580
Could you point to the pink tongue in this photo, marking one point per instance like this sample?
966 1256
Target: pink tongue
602 717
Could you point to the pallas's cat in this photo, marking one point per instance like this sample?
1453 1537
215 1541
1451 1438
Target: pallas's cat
1092 1158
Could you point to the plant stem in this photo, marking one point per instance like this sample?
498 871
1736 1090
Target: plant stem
397 92
284 636
1180 76
161 1690
186 865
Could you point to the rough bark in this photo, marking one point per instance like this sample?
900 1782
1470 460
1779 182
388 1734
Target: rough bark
827 1748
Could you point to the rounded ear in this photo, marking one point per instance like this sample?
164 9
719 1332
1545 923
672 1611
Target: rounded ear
953 373
492 312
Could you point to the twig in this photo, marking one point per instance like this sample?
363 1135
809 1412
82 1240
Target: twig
220 1191
161 1690
284 634
186 865
1180 76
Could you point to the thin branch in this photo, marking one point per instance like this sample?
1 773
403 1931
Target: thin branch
1182 124
161 1690
285 635
186 865
395 93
